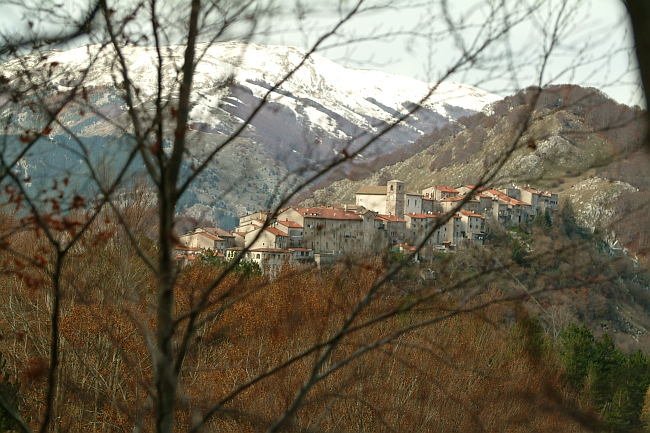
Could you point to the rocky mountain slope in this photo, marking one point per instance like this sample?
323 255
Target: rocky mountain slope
322 110
575 141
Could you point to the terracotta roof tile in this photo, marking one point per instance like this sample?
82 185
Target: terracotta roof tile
390 218
452 199
276 232
444 188
471 214
209 236
290 224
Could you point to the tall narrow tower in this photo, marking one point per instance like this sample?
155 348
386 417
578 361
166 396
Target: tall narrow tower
395 198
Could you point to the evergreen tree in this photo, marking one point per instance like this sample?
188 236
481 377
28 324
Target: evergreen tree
645 412
569 221
618 413
637 379
576 352
606 368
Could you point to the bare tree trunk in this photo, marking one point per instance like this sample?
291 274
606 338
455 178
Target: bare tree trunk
167 369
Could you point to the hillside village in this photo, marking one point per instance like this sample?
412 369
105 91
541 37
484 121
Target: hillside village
381 217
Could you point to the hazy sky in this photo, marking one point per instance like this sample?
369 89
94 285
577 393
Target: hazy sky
594 46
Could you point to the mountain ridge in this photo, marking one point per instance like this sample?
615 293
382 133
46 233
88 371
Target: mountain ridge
578 143
317 113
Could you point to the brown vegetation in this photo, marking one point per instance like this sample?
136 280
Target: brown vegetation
465 372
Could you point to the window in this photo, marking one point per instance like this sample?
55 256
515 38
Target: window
258 255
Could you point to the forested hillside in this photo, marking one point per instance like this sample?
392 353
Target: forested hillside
465 353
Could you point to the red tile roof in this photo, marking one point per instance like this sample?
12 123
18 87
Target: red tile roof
189 258
471 214
445 188
507 199
390 218
209 236
496 193
290 224
276 232
452 199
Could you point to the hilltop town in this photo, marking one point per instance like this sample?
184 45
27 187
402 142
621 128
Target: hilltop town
381 217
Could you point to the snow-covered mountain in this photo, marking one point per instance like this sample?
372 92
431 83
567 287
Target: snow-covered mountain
320 110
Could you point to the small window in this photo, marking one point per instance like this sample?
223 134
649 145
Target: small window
258 256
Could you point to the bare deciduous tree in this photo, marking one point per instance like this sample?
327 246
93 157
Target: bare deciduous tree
167 330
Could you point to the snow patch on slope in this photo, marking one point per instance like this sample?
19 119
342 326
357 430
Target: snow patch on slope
341 90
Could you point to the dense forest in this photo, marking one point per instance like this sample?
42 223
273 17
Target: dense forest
487 338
